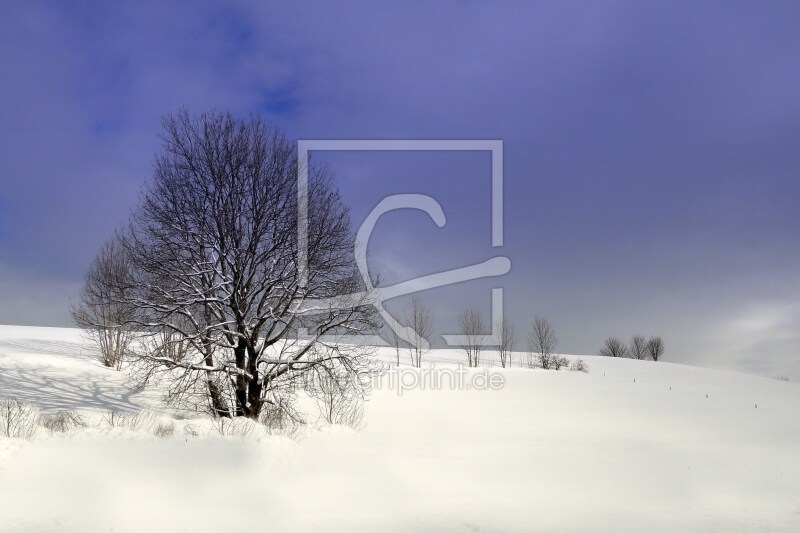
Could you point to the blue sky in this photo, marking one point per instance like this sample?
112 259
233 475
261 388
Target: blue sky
651 149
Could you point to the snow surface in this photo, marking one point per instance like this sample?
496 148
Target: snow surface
629 446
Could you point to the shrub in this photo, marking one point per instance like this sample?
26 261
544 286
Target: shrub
281 417
579 366
133 421
234 427
557 362
162 431
62 422
338 400
18 419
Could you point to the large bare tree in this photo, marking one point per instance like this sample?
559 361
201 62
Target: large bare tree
420 319
104 312
473 334
217 265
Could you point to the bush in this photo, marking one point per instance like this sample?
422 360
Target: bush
281 417
552 361
133 421
62 422
18 419
579 366
234 427
163 431
191 430
558 362
338 400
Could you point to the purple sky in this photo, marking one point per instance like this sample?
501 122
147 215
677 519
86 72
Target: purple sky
652 169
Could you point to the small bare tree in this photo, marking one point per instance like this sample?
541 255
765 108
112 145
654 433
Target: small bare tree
419 318
655 348
506 342
103 313
613 347
542 341
638 347
473 334
394 341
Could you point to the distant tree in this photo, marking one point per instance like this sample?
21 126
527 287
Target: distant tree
506 341
655 348
419 318
638 347
613 347
473 332
104 312
394 341
541 343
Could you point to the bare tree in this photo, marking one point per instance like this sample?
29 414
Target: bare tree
104 313
613 347
506 341
655 348
218 261
419 318
638 347
394 341
542 341
473 333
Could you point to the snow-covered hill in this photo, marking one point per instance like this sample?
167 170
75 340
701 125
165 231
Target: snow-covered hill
628 446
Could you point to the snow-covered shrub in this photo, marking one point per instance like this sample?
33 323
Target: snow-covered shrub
282 417
62 422
551 361
163 430
579 366
338 399
234 427
557 362
18 420
133 421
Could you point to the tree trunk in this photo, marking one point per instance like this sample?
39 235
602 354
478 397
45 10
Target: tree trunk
240 355
254 387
